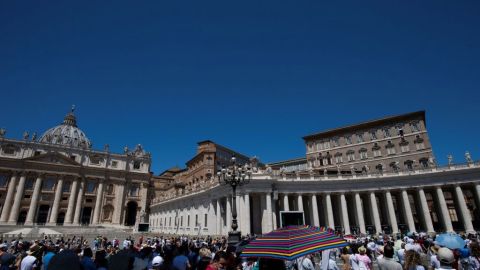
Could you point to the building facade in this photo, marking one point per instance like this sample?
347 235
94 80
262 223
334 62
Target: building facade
409 192
58 179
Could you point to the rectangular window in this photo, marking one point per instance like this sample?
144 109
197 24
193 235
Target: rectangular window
3 180
48 184
359 138
319 146
386 133
196 221
363 155
170 222
405 148
90 187
351 157
391 150
373 135
134 189
338 159
181 221
310 147
205 224
29 184
420 146
188 221
377 153
326 145
335 142
414 127
114 164
136 165
348 139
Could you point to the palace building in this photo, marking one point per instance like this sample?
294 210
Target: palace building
59 179
371 177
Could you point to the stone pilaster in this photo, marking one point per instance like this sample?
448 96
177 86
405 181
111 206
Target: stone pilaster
71 202
56 201
98 203
8 200
34 201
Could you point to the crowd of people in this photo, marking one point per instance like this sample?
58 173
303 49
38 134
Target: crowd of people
412 252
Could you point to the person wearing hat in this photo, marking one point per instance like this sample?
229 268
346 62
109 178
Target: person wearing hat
434 262
362 259
446 258
31 261
157 262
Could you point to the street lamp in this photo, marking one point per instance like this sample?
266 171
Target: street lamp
234 175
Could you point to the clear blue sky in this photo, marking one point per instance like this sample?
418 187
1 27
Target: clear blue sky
252 75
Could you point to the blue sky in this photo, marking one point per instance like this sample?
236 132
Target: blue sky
255 76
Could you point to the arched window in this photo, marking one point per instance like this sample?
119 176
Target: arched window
424 162
408 164
394 166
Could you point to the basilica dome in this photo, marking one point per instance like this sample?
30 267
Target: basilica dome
67 134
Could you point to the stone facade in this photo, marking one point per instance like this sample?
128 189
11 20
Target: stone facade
59 179
389 144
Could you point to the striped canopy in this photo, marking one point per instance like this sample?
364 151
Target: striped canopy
292 242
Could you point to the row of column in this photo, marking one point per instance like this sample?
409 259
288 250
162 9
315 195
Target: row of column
267 214
15 195
360 217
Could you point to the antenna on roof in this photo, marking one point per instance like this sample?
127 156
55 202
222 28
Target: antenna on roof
73 108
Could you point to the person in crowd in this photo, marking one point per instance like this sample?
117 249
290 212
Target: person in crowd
219 262
413 260
363 261
87 261
446 258
387 262
474 258
345 258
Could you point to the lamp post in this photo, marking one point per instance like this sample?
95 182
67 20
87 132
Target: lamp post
234 175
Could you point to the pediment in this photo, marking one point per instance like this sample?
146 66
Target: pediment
54 158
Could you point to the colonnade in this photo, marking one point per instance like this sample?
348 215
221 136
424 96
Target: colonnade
427 209
65 201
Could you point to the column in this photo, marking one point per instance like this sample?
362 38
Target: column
426 211
274 214
56 201
219 218
71 202
345 221
34 201
119 197
285 203
391 212
229 214
361 219
466 218
9 198
408 211
444 209
375 214
477 191
12 219
98 203
247 213
300 202
78 206
315 218
330 220
239 212
268 203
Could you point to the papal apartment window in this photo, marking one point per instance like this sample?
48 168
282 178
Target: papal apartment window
359 138
326 145
114 164
348 139
377 153
373 135
319 146
386 133
136 165
390 148
338 159
414 127
405 148
420 145
335 142
408 165
424 162
310 147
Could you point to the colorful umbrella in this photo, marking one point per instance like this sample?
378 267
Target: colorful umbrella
292 242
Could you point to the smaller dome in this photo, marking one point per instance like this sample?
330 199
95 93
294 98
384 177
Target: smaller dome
67 134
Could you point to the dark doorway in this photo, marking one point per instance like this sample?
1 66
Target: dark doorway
131 215
22 217
86 214
42 214
61 218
